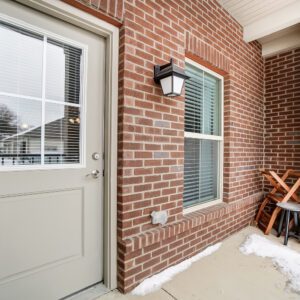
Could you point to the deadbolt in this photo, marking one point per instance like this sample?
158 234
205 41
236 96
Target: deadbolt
96 156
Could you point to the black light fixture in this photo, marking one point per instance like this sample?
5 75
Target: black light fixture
171 78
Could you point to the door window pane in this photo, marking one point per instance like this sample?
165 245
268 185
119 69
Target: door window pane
63 72
20 131
62 134
21 61
39 108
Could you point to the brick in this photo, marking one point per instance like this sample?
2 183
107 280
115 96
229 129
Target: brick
281 137
151 128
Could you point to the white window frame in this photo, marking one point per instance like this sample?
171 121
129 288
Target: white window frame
210 137
82 104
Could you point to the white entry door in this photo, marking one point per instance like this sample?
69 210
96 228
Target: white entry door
51 145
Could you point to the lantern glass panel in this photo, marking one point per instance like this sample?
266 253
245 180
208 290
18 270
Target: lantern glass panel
166 85
177 85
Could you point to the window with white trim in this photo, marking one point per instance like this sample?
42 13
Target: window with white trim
203 136
40 99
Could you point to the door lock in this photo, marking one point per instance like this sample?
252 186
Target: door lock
96 156
95 174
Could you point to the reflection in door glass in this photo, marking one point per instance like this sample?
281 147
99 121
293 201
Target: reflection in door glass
20 131
21 61
63 72
62 134
40 121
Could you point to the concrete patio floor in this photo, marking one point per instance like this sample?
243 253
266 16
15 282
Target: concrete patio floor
226 274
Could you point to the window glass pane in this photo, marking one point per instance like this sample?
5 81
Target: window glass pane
62 134
211 107
178 83
63 72
209 170
191 193
194 100
21 61
202 102
201 171
20 131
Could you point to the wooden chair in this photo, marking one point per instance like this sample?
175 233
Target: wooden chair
281 192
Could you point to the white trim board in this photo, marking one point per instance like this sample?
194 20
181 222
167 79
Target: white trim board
265 20
86 21
278 20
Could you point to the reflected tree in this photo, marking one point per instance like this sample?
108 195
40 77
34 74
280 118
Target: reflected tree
8 122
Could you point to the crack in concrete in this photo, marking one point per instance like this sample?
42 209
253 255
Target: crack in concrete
173 297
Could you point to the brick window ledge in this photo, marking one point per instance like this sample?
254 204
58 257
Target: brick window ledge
188 222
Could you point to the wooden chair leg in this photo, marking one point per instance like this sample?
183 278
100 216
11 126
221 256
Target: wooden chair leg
272 220
262 206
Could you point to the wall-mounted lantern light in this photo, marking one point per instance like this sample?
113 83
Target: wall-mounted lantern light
170 77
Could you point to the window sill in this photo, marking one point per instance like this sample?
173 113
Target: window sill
199 207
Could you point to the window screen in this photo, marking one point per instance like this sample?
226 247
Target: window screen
203 137
40 99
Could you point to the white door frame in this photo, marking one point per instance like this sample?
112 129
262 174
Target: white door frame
86 21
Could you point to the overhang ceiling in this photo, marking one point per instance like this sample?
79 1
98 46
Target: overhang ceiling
274 23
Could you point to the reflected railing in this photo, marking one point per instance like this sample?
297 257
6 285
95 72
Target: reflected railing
31 159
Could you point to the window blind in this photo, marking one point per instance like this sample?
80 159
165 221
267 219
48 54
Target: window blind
194 100
202 137
211 104
62 123
200 171
202 105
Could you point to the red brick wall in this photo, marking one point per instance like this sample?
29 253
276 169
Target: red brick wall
282 111
111 8
144 255
151 130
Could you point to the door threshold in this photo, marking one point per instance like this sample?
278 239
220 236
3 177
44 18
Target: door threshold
89 293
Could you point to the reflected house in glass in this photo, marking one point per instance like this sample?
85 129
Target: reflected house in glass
23 147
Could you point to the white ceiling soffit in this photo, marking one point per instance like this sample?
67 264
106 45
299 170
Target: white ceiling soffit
283 40
271 22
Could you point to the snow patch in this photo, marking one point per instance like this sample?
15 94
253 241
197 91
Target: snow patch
155 282
283 257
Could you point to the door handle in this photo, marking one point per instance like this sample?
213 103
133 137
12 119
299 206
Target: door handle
95 174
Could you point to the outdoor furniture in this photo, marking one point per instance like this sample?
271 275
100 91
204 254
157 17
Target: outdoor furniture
280 193
287 208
